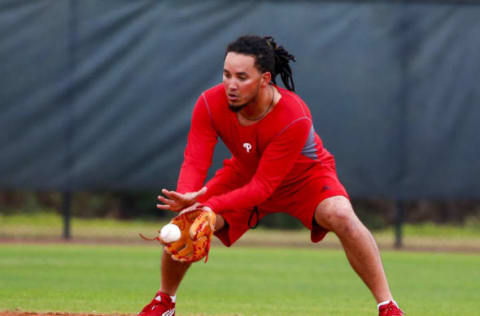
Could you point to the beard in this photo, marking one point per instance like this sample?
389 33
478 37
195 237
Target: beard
236 108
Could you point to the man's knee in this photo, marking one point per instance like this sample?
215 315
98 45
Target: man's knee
336 214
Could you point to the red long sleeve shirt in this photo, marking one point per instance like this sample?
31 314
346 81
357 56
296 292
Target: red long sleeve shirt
271 154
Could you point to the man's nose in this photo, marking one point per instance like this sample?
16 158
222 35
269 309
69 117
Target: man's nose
233 85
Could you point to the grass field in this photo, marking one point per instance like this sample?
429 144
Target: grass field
237 281
48 226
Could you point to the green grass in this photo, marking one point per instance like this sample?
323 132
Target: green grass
236 281
41 226
44 225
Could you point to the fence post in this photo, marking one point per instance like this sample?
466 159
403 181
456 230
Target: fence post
399 219
67 214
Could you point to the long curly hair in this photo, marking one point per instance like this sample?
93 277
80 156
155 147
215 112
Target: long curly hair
269 56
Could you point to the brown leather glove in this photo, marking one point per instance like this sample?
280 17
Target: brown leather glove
197 227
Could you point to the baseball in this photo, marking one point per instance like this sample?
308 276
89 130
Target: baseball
170 233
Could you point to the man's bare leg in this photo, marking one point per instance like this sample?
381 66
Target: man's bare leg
336 214
172 274
174 271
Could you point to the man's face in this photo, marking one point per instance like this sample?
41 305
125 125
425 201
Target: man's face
241 80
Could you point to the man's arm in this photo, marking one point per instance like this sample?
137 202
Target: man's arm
276 162
202 139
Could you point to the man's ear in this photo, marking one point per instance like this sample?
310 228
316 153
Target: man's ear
266 78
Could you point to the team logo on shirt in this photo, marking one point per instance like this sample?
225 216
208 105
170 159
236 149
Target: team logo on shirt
247 147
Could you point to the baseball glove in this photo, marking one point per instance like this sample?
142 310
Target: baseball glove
197 228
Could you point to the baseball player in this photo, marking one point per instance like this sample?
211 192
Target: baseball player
278 164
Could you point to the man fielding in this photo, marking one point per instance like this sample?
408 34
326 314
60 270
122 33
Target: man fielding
278 164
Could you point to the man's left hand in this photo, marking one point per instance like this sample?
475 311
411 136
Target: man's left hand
196 226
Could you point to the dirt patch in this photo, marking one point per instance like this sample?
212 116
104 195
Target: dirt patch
329 243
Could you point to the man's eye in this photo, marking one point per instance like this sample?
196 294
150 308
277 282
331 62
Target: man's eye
242 78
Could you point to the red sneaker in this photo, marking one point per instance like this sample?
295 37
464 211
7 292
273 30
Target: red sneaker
161 305
390 309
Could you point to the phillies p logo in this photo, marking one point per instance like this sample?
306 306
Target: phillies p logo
247 147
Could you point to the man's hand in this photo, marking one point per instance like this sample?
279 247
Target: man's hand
174 201
196 224
197 227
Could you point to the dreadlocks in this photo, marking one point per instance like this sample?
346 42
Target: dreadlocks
269 57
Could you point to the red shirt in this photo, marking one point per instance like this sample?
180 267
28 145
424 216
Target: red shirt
270 155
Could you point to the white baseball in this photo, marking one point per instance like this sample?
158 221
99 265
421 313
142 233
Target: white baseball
170 233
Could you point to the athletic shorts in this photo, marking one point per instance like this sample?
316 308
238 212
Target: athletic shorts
299 200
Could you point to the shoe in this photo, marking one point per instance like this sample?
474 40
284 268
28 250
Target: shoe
161 305
390 309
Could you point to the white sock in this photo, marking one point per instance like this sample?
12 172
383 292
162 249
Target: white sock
386 302
174 298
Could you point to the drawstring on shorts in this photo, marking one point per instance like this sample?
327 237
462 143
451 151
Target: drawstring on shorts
254 212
